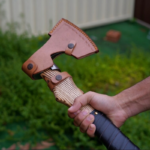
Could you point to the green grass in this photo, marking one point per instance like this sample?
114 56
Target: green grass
24 101
132 34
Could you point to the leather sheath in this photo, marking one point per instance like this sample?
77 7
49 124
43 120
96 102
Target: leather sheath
63 34
52 82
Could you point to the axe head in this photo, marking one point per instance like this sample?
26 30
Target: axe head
65 38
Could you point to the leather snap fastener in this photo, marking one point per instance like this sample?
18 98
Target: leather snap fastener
71 45
30 66
58 77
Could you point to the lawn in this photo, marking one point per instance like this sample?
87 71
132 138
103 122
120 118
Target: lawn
29 112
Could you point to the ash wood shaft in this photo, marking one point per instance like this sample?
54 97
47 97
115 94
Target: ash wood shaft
66 91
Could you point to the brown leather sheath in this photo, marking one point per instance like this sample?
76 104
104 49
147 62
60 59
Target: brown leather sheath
65 38
55 80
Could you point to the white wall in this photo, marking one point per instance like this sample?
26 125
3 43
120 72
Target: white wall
41 15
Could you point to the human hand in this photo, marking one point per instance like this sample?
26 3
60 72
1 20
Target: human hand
106 104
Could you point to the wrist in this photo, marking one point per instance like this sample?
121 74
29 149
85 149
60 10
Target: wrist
135 99
128 101
117 114
123 102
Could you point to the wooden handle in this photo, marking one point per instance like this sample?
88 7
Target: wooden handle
66 91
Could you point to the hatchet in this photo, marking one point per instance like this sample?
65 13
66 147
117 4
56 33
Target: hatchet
69 39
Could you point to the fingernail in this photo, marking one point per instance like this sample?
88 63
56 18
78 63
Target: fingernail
77 112
84 113
70 108
89 118
91 127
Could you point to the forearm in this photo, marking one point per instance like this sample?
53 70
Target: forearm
135 99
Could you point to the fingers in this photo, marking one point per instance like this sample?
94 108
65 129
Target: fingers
81 101
73 115
86 122
91 130
80 117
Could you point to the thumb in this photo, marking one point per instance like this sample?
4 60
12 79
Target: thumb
81 101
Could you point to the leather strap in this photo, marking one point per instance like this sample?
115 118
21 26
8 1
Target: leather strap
69 50
30 67
57 79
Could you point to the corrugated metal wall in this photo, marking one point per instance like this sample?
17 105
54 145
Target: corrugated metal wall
39 16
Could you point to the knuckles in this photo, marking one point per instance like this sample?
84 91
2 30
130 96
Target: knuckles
82 130
78 119
77 100
70 114
75 124
83 127
86 122
81 120
90 93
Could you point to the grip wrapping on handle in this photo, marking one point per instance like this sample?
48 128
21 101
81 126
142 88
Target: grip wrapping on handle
110 135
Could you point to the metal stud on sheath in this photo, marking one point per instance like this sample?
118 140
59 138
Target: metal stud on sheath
71 45
58 77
